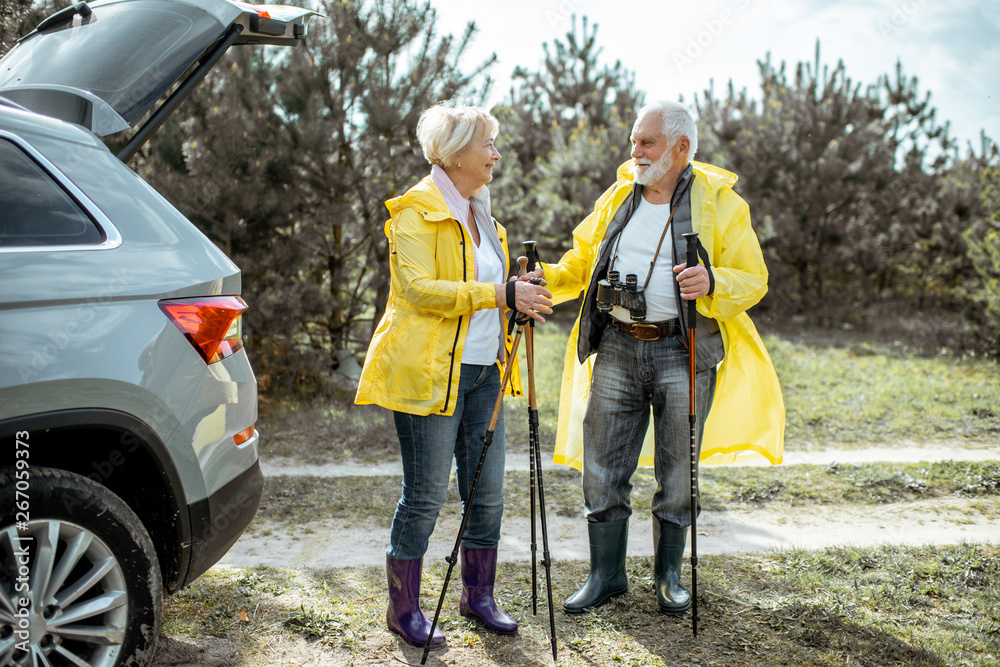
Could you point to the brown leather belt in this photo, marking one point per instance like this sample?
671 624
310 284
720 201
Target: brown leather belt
649 330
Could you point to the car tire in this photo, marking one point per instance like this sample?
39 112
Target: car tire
80 579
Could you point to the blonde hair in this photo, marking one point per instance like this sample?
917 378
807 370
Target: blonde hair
445 131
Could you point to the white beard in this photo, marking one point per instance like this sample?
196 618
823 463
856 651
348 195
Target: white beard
655 171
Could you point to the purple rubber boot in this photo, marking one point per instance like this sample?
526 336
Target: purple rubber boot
404 616
479 568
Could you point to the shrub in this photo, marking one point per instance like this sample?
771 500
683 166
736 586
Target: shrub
983 239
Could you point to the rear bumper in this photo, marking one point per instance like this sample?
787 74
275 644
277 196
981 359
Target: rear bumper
220 519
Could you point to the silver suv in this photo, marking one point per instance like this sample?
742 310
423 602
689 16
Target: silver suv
128 456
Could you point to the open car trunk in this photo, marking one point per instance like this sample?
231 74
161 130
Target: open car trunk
104 65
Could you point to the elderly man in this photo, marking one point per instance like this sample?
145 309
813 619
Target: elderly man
641 361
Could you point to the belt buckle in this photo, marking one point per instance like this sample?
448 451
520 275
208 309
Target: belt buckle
644 331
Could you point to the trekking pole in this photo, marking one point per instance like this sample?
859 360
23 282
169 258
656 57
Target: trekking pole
531 467
529 265
487 441
692 260
534 453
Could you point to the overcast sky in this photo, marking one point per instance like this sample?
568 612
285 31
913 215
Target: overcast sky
675 48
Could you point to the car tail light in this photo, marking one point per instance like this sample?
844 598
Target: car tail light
212 324
243 436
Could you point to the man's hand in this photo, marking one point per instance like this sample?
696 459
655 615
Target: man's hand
532 299
694 282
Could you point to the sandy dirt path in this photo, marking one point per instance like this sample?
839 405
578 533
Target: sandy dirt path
338 543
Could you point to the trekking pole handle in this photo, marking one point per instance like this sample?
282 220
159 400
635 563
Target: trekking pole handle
692 260
517 318
532 253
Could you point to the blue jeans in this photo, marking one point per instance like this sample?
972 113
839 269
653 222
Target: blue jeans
630 376
428 445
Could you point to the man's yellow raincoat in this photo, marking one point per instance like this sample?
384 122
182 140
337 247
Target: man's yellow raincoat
747 419
414 359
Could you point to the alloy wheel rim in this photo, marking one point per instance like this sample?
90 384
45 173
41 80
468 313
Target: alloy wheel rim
74 588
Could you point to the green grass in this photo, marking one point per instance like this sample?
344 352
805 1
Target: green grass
864 395
550 347
859 395
291 502
853 396
869 484
325 432
844 606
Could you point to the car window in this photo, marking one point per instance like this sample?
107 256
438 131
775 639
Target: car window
127 54
34 209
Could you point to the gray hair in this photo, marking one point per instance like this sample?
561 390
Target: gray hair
677 122
445 131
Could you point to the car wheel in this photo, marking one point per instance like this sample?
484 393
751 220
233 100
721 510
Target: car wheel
80 581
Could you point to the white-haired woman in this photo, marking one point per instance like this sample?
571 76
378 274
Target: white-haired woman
435 361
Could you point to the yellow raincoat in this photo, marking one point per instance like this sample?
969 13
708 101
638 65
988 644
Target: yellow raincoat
747 419
414 359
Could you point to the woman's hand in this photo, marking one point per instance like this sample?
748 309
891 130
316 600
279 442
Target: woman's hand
529 298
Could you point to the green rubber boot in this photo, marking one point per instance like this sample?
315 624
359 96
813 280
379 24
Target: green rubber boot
669 541
608 545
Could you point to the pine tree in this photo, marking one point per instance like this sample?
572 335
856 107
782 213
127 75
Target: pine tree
19 17
848 185
983 239
564 131
286 158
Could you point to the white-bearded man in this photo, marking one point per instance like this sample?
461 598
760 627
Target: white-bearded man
627 359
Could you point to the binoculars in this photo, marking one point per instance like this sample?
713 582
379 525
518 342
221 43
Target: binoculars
612 292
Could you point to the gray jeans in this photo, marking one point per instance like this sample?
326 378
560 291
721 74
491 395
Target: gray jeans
630 376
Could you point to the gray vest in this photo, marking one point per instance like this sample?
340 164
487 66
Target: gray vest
708 338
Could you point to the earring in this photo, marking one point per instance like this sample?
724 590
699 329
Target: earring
459 165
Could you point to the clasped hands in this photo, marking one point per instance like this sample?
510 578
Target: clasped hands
533 299
530 295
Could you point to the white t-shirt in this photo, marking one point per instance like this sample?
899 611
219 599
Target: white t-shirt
636 247
483 340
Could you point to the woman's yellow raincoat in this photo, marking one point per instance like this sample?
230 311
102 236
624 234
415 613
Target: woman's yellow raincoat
414 359
747 419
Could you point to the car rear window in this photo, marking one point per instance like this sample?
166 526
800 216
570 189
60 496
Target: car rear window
34 209
127 54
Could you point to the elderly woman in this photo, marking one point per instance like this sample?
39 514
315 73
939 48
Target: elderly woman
435 361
